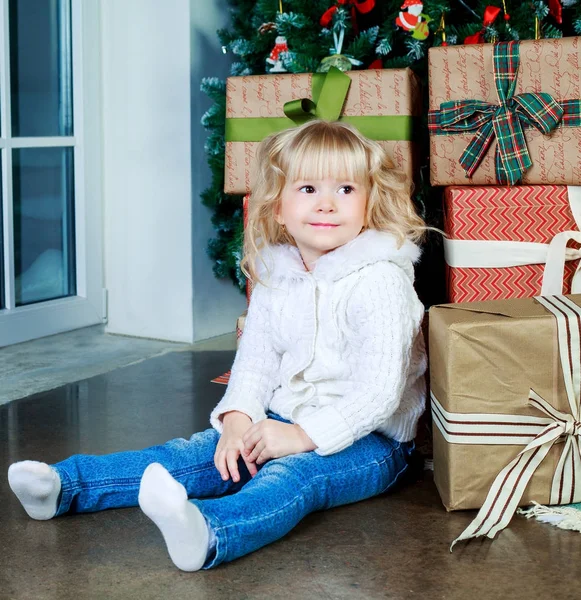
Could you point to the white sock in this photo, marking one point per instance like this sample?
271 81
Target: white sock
37 486
185 531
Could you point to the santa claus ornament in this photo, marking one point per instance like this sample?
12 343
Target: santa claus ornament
274 59
413 20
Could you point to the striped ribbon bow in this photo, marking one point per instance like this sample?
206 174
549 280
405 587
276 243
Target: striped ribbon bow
504 120
507 489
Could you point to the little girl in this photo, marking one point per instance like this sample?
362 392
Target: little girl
327 386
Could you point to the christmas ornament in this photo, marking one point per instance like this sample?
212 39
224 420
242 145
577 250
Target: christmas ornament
266 27
362 6
413 20
341 61
335 60
556 10
280 46
506 15
442 29
490 15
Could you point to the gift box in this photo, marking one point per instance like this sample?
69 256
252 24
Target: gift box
507 112
424 435
225 378
381 103
240 327
511 242
504 379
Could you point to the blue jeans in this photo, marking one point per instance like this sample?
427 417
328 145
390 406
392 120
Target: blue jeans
247 515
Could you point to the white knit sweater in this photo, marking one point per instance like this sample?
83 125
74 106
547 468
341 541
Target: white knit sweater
337 350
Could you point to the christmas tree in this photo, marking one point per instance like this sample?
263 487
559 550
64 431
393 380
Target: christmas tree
299 36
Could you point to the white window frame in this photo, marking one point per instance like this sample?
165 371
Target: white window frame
88 307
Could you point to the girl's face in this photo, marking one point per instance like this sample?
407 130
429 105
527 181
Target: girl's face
322 214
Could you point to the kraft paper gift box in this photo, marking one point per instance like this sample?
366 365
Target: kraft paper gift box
381 103
512 119
511 242
505 374
424 435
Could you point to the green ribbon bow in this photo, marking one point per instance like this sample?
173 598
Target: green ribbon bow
329 91
505 121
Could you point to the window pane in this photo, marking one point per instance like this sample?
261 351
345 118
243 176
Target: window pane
44 236
40 67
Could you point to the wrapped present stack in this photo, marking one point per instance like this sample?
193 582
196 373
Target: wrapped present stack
506 114
505 355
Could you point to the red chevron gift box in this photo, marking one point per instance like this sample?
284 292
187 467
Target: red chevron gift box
511 242
506 113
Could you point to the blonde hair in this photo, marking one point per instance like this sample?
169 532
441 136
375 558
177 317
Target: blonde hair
321 150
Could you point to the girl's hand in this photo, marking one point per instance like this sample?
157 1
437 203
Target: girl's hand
230 446
273 439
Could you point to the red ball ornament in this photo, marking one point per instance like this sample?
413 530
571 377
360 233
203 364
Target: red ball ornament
506 17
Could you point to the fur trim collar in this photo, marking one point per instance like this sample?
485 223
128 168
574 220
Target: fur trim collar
284 261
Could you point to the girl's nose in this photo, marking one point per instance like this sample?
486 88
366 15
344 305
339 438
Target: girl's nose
326 203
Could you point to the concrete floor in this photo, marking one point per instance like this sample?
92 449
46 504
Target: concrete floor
50 362
394 546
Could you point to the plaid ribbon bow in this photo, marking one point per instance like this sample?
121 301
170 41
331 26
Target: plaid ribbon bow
504 120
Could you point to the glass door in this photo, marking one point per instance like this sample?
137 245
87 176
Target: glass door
50 256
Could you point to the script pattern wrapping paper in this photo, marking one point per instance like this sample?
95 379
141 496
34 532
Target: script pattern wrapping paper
374 92
466 72
520 214
484 359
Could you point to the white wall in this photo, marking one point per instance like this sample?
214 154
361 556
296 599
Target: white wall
159 279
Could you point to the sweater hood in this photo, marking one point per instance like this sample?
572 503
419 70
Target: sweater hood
284 261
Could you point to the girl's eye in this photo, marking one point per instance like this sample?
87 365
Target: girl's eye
308 189
347 189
